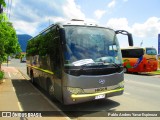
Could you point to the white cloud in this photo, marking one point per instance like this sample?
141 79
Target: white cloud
54 19
118 24
150 28
99 13
72 11
25 27
30 16
112 4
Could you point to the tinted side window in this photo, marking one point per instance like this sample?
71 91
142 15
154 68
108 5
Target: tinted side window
132 53
54 51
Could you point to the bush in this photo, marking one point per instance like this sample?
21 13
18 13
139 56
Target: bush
1 75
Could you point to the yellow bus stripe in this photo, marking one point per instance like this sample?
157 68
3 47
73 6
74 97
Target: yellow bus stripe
46 71
95 94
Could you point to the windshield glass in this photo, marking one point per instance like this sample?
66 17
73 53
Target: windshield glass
91 46
151 51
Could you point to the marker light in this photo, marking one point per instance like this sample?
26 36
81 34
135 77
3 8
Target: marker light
121 84
75 90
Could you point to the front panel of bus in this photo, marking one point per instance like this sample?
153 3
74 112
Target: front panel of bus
92 64
151 59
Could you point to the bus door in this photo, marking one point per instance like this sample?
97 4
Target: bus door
57 68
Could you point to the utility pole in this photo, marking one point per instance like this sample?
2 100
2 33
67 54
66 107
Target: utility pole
141 43
1 9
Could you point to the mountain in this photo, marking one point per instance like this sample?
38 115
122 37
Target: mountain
22 39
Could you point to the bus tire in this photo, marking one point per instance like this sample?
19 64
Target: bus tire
27 70
50 89
32 77
125 70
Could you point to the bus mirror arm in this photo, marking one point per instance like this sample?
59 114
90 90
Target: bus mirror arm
123 32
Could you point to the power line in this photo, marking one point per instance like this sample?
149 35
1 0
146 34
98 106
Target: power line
7 7
10 10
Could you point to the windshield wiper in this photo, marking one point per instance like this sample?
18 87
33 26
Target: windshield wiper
116 65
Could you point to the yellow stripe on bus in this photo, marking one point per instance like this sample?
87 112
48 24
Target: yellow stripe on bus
95 94
46 71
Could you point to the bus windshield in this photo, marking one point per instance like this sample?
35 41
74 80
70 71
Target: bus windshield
91 46
151 51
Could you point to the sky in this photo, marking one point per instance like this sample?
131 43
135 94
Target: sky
139 17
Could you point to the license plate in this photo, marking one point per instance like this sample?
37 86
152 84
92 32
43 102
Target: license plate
100 96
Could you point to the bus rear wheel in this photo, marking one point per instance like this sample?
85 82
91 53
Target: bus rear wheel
50 89
125 70
32 78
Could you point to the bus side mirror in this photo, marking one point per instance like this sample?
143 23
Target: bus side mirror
130 39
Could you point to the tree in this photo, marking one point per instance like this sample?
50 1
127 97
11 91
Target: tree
2 4
8 40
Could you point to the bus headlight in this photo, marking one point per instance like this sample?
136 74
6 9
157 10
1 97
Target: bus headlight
75 90
121 84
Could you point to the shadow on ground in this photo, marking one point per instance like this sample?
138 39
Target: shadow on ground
31 100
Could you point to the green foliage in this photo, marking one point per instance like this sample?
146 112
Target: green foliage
155 72
1 75
2 2
3 17
8 39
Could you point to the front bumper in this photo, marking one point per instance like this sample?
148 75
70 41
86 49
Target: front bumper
79 98
73 96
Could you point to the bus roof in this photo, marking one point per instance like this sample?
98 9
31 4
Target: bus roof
76 22
72 22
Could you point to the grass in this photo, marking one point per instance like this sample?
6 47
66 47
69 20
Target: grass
1 75
156 72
